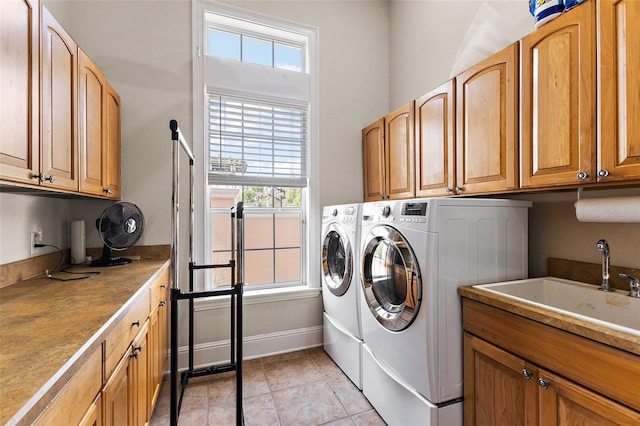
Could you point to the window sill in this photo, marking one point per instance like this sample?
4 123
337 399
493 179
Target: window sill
255 297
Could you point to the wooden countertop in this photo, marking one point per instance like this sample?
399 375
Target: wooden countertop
47 326
616 338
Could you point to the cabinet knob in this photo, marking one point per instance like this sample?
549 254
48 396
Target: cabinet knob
582 175
163 286
526 374
603 173
134 355
448 190
459 189
544 384
136 323
107 191
162 303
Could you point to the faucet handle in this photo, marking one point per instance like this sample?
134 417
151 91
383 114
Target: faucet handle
634 284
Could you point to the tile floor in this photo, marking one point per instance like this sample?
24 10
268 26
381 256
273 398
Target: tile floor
297 388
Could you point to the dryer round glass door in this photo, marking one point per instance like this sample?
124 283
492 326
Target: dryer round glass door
390 278
337 260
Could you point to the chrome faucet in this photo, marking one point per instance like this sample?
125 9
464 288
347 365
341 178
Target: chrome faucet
634 285
603 247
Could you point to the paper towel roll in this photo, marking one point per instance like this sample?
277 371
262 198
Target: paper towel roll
78 252
612 209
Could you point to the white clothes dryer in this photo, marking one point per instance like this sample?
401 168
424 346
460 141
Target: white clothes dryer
341 286
414 255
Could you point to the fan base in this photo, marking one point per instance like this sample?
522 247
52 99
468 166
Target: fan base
110 261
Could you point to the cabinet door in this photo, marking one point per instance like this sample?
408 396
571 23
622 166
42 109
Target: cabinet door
499 388
19 118
487 127
139 378
111 151
619 90
558 101
373 161
398 150
435 142
92 89
59 152
117 395
155 376
93 416
563 402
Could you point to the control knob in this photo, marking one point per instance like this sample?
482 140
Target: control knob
386 211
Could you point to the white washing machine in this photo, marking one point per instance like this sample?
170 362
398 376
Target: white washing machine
341 287
414 255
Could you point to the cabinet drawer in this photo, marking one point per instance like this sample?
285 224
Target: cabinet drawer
159 289
126 330
77 396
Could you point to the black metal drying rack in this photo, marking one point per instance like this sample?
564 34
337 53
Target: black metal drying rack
235 290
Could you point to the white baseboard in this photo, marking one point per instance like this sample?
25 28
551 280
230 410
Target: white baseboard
212 353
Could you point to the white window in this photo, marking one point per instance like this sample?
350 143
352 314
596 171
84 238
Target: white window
254 80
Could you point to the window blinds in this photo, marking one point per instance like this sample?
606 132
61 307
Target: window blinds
257 143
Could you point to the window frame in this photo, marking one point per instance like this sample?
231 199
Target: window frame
311 272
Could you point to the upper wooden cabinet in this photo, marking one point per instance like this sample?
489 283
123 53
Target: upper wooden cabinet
399 155
388 156
60 117
58 112
619 90
558 101
435 142
99 132
19 91
373 161
487 125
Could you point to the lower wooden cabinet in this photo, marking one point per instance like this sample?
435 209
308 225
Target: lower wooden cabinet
496 390
503 389
117 402
521 372
133 387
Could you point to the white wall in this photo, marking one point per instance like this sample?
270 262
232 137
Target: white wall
432 40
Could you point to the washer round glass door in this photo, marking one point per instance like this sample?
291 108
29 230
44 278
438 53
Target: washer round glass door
391 278
337 260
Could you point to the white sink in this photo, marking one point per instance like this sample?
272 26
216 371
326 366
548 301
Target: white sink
612 309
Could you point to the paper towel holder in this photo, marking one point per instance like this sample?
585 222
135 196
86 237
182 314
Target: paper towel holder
580 193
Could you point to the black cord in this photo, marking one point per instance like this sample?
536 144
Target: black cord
85 275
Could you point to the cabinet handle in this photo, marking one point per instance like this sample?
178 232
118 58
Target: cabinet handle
163 286
544 384
136 323
43 177
582 175
526 374
603 173
162 303
459 189
107 191
134 355
448 190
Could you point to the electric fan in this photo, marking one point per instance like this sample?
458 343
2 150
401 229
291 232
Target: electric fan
120 226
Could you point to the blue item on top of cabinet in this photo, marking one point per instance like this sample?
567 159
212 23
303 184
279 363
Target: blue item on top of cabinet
545 10
568 4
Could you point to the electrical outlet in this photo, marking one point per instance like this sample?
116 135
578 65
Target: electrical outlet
35 237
